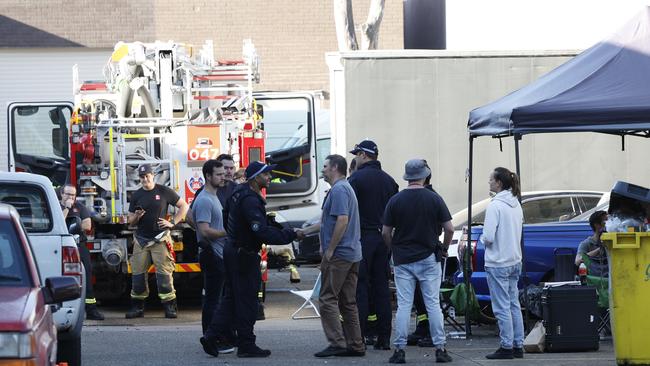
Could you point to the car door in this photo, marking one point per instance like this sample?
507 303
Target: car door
38 139
290 125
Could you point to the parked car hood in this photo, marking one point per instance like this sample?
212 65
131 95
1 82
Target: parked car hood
18 308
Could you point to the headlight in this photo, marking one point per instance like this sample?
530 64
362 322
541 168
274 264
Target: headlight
17 345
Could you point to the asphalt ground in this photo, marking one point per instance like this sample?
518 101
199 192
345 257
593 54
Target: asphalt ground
154 340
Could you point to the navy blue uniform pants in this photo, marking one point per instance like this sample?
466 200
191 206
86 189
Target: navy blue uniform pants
238 308
212 267
373 281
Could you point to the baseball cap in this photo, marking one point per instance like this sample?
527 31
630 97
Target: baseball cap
256 168
367 146
144 169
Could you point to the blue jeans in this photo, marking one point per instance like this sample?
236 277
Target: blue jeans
505 304
428 273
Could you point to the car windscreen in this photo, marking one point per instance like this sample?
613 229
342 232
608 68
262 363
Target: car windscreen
585 216
13 269
31 203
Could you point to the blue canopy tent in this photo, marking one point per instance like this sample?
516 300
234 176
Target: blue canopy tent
604 89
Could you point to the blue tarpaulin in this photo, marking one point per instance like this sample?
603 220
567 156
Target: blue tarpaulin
604 89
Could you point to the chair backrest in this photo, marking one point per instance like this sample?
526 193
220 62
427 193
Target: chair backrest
316 290
601 283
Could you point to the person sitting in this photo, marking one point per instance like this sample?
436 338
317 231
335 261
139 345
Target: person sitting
593 248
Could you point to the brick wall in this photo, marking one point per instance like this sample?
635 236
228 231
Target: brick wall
291 36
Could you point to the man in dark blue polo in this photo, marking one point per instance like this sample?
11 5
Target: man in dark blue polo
373 188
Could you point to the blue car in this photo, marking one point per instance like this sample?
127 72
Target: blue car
540 242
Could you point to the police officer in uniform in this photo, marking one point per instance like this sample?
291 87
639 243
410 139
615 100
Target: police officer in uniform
373 188
247 228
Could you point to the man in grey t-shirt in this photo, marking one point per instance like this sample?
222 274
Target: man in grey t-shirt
210 234
340 237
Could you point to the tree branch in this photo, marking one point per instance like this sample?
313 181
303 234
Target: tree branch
370 29
344 20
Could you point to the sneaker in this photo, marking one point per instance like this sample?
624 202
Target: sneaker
225 348
398 356
442 356
382 344
352 353
210 346
331 351
501 354
253 351
517 352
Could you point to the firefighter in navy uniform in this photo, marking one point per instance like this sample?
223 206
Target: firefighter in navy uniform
72 208
373 188
247 227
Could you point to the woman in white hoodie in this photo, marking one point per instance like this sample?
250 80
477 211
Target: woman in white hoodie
502 238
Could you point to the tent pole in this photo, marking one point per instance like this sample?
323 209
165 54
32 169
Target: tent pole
468 250
523 253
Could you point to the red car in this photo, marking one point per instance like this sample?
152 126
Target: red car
27 330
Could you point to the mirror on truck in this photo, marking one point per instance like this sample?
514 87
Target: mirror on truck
59 141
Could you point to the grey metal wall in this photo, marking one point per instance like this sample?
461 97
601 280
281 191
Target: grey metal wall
416 105
42 74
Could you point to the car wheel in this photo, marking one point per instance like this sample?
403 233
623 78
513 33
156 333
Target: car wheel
69 350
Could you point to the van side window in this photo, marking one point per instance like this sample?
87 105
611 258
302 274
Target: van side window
31 204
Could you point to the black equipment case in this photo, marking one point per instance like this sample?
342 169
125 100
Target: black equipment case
571 318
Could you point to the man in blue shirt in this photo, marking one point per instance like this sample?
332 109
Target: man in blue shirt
373 188
341 251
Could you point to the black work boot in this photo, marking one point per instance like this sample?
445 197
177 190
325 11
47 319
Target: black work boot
421 331
170 309
136 310
92 313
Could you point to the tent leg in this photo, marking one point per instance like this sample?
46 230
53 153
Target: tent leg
468 250
523 253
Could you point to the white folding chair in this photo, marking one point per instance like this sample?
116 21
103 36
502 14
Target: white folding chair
310 296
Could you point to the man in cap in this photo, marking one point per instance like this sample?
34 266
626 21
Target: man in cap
247 228
152 241
373 188
417 215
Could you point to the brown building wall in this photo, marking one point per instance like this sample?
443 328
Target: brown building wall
291 36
